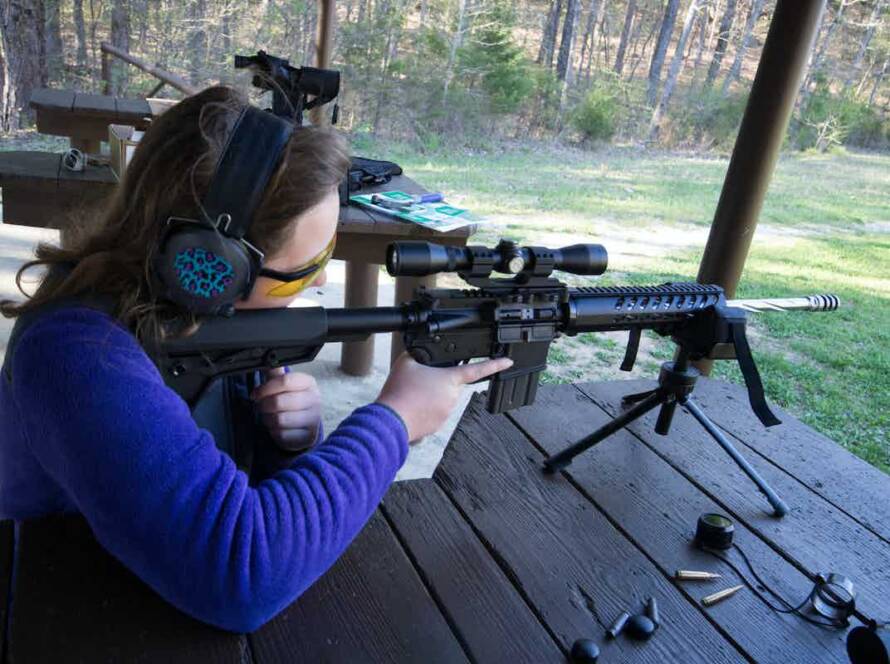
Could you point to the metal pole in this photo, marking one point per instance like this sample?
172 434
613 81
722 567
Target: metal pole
781 69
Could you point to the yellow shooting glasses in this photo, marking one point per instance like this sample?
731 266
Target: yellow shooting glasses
297 280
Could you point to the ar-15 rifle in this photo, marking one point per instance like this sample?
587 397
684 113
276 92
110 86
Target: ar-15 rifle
516 317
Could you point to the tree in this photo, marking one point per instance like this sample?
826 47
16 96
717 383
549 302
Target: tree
674 72
661 45
564 62
22 59
625 34
116 81
81 32
589 41
55 62
736 69
548 38
722 42
873 22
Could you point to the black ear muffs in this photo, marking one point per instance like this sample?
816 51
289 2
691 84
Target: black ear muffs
206 265
202 270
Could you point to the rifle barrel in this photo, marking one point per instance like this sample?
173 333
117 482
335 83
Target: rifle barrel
806 303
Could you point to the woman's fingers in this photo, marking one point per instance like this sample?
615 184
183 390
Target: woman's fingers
284 382
299 419
471 373
287 401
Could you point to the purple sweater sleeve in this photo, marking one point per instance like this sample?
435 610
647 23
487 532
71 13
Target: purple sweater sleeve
163 500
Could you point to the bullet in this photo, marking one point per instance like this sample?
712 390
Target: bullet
618 625
692 575
710 600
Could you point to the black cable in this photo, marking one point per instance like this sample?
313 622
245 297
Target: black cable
794 610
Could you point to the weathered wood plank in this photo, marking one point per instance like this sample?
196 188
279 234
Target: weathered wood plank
815 535
130 111
55 100
96 105
494 622
28 166
848 482
657 508
563 554
74 600
7 556
371 606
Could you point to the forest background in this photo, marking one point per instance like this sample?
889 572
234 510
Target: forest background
570 120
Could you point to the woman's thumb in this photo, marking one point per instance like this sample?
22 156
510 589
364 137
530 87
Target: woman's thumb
473 373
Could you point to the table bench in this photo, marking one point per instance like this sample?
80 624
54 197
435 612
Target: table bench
493 561
38 191
84 117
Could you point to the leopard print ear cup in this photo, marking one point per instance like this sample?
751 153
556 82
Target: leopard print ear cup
202 273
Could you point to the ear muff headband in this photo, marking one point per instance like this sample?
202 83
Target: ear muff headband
244 168
206 265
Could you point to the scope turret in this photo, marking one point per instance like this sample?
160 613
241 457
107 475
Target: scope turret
418 259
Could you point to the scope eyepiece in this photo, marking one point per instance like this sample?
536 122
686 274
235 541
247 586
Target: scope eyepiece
418 259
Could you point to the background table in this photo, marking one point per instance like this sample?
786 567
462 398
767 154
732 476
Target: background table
38 191
493 561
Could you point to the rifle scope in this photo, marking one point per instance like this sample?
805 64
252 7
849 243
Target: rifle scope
418 259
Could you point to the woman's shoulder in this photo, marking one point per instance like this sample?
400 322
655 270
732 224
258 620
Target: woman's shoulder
73 332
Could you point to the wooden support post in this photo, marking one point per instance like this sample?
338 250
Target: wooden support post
357 357
776 84
325 40
405 287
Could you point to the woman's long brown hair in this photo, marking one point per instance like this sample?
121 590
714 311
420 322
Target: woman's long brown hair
168 175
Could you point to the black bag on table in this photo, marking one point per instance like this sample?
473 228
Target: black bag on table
366 173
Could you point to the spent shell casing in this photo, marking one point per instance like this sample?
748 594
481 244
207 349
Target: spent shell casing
652 611
618 625
710 600
692 575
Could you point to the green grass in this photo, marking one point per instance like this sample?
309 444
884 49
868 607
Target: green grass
825 227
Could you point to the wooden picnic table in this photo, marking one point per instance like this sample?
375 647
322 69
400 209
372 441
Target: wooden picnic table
493 561
85 117
38 191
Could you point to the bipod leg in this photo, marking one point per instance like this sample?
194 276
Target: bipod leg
779 507
563 458
637 396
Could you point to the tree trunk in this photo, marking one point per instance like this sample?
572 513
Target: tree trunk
873 23
456 42
564 62
548 39
661 45
197 41
81 32
22 60
674 72
120 37
625 34
722 42
705 18
638 58
736 69
878 80
589 33
55 61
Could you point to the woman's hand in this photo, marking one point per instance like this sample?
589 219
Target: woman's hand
425 396
290 404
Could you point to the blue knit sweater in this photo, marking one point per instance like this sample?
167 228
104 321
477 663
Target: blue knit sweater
88 426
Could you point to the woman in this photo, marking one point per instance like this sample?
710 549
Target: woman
89 427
